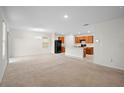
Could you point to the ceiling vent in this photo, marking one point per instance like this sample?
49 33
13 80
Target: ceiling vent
86 25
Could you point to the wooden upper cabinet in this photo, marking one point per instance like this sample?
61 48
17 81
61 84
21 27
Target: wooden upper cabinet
88 39
77 40
61 38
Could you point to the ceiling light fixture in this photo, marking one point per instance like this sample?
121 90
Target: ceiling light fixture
97 40
88 31
65 16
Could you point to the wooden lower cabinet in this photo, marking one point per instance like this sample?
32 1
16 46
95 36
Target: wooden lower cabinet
84 52
89 50
62 49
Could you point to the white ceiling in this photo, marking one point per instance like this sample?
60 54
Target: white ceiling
52 19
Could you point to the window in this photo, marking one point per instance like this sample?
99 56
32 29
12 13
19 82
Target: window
45 42
3 39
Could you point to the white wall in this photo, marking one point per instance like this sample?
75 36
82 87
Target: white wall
110 49
53 43
25 43
0 47
3 59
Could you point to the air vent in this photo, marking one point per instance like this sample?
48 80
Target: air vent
85 24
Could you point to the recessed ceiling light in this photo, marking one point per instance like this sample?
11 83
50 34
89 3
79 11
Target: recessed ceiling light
88 31
97 40
65 16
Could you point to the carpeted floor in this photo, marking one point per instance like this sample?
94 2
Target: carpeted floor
59 71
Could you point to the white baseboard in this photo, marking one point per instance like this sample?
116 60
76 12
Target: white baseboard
113 67
2 70
74 57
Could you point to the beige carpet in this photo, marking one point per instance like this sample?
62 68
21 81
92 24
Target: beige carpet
59 70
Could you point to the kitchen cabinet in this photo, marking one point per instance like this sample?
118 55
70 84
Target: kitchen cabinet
61 38
88 39
62 49
89 50
77 40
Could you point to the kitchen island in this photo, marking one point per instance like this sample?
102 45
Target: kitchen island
75 52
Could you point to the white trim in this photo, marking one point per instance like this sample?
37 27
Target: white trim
74 57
